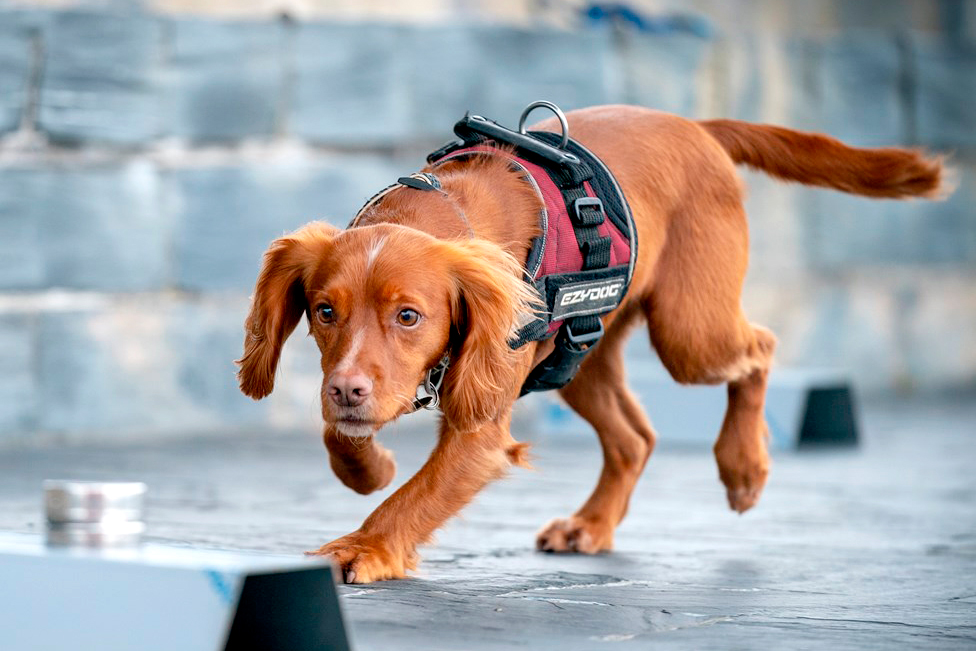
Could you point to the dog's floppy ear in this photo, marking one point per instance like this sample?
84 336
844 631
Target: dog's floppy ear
278 304
490 299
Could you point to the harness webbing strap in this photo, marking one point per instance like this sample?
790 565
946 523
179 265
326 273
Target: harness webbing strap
594 247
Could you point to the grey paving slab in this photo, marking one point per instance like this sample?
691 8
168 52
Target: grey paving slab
346 86
227 216
656 71
843 231
22 263
18 383
100 81
860 85
227 78
15 64
79 227
154 365
515 67
873 548
439 100
946 78
743 74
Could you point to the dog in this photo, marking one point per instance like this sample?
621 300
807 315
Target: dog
424 274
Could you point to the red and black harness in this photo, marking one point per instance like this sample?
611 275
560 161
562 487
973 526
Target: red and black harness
582 263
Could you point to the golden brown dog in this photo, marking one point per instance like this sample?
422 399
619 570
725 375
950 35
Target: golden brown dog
387 299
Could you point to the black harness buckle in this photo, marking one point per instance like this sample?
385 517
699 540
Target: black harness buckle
585 340
587 211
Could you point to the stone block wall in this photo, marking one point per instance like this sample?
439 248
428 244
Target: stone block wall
146 161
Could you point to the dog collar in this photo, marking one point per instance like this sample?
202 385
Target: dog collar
431 386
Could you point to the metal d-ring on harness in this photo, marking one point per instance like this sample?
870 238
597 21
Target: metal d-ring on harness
559 116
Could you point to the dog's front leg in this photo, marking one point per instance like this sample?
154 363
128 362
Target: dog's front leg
362 464
462 463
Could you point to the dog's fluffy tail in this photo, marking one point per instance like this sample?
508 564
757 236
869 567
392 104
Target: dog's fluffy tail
814 159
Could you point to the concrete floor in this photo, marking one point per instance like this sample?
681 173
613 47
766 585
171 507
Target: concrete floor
849 549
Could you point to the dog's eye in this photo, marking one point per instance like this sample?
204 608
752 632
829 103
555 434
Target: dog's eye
325 313
408 317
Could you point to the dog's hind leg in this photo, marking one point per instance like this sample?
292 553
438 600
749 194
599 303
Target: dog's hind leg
740 450
700 333
599 394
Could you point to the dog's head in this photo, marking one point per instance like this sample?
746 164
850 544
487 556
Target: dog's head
384 304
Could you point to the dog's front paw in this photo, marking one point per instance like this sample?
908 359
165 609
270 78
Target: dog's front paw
575 534
364 558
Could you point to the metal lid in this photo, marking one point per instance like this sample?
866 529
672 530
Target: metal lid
95 534
84 501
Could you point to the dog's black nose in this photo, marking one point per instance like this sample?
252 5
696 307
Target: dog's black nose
350 390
